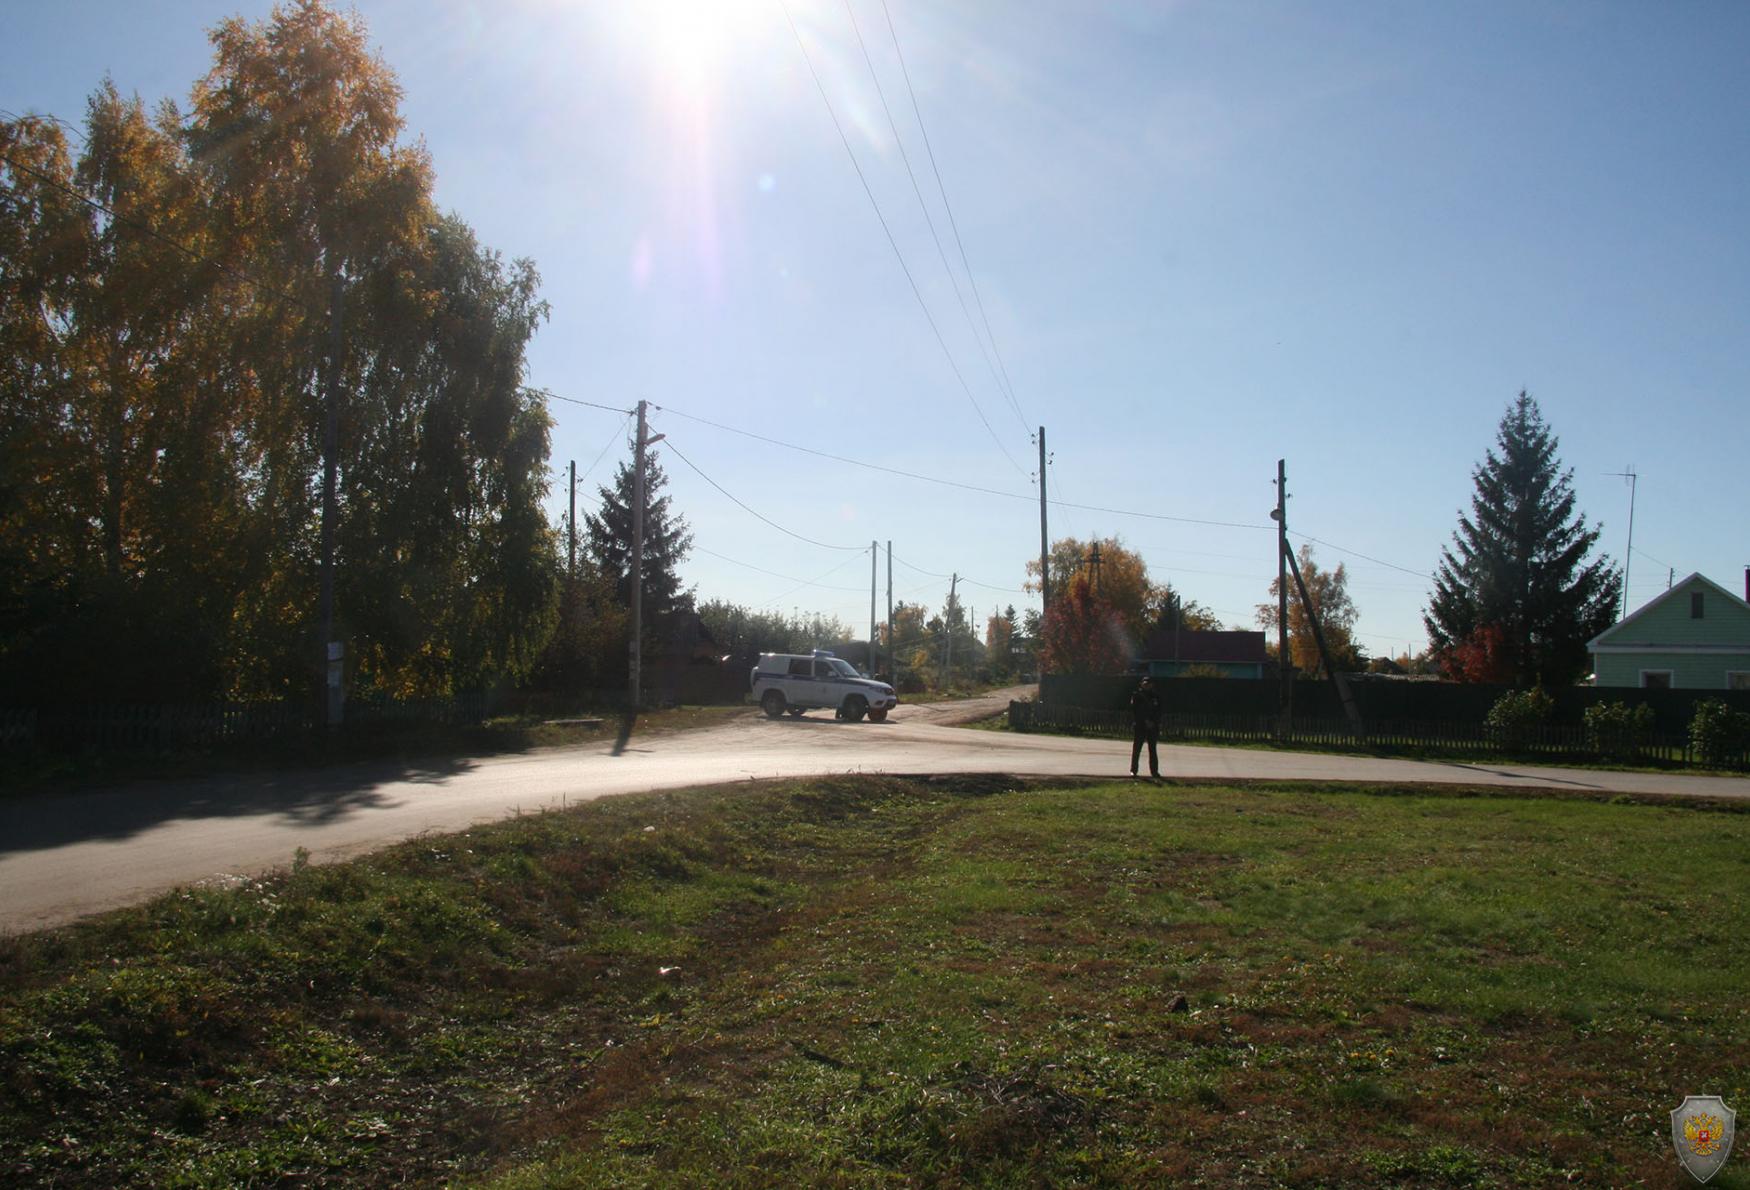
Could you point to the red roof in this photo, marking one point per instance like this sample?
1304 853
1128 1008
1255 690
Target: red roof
1190 644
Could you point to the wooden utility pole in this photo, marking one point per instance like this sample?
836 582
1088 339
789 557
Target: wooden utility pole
642 443
332 650
1284 659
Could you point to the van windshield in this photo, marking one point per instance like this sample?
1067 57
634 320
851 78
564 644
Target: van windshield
844 668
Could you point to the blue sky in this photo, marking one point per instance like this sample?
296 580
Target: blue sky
1206 236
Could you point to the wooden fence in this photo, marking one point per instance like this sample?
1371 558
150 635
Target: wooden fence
1551 742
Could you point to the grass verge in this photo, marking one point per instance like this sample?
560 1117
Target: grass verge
869 981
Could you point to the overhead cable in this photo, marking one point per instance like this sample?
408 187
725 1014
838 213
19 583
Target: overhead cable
974 582
953 224
814 582
894 244
675 450
553 396
953 483
929 220
789 578
1359 554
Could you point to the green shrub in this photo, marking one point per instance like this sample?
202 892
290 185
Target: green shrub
1617 732
1718 735
1514 719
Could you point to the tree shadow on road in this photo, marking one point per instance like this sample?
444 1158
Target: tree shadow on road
311 797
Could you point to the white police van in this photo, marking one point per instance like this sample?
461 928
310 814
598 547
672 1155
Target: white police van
795 683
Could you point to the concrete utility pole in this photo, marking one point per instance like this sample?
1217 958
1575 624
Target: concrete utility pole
333 651
1284 666
1344 694
1044 544
1628 556
892 665
874 556
948 623
571 527
643 442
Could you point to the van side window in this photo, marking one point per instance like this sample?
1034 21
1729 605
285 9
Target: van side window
801 667
823 670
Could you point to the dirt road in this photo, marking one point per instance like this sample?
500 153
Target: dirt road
65 856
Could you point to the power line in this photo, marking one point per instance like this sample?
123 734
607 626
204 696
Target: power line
963 578
1362 556
953 224
923 206
789 578
952 483
815 582
1657 562
894 244
919 569
761 516
553 396
604 451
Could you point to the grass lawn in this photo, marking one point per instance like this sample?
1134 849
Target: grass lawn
882 982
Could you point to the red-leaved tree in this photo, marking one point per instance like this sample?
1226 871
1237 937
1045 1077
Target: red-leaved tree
1083 633
1483 656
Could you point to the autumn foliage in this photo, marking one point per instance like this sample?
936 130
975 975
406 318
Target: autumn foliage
1083 633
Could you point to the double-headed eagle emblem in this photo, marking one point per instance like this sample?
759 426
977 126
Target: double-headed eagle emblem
1701 1131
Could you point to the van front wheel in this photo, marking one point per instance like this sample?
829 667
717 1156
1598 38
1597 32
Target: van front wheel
772 703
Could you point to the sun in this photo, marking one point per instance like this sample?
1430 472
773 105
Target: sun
693 41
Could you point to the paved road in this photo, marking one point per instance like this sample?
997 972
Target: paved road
65 856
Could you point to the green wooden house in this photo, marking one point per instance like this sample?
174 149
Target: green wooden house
1696 636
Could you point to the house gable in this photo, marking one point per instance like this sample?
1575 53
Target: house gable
1669 623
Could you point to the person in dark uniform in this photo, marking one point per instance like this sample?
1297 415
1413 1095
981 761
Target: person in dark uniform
1145 710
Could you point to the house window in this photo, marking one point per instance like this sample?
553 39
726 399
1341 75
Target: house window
1656 679
1738 679
1695 605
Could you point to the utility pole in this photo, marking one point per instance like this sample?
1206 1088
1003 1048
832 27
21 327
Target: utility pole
1284 666
1094 568
892 665
1628 556
643 442
874 555
948 623
1337 679
571 527
1044 556
333 651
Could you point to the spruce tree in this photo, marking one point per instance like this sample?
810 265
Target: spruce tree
666 542
1515 600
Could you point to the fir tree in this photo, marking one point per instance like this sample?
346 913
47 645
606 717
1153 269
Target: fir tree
666 542
1517 600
